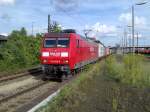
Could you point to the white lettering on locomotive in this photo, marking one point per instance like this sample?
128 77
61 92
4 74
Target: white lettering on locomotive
54 54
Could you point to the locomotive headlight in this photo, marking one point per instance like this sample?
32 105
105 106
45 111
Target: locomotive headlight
66 61
64 54
45 54
45 61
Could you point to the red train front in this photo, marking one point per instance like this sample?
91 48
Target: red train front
62 53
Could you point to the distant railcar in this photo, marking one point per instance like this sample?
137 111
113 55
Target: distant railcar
143 51
107 51
101 49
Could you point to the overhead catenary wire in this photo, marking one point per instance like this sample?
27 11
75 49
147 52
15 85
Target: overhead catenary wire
77 20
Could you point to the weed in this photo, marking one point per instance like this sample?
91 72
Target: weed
131 70
72 91
91 92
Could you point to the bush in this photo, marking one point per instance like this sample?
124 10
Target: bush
20 51
113 69
132 70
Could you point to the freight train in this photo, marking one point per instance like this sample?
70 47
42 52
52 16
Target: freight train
66 52
145 50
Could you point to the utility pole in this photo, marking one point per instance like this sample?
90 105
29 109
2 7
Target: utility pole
133 49
49 24
126 34
130 39
133 23
124 47
32 28
125 40
123 44
137 42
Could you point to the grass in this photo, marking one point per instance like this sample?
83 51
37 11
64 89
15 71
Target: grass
132 70
72 91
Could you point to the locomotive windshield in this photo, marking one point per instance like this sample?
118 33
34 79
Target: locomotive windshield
56 42
63 42
51 42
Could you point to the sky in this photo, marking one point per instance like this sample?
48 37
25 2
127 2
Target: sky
107 19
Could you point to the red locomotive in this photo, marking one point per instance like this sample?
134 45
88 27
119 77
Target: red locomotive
63 53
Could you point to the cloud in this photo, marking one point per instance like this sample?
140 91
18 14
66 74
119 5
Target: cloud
135 36
127 19
4 34
65 5
5 16
104 30
7 2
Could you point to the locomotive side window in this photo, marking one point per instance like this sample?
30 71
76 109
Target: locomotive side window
63 42
77 43
51 42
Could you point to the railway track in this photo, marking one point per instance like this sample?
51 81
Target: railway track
28 92
8 81
30 96
6 98
29 72
13 87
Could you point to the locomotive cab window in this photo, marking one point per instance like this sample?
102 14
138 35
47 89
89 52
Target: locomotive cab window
56 42
51 42
63 42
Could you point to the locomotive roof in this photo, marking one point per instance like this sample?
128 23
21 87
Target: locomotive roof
57 34
61 34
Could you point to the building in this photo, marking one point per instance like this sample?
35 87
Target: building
3 39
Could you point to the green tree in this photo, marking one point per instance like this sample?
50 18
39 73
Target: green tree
55 27
23 32
20 51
